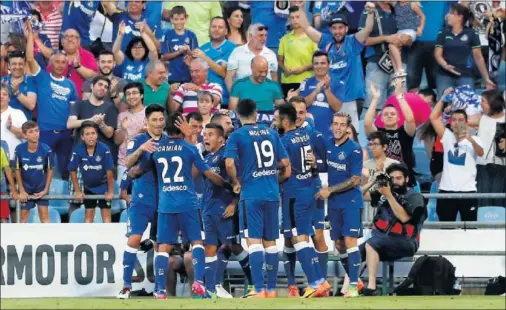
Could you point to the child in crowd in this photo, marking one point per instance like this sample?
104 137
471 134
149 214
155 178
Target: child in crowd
94 160
34 163
205 104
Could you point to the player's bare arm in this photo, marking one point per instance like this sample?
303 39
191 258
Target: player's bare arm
285 170
131 160
325 192
232 174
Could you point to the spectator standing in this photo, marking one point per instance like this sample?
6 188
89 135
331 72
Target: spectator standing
12 120
156 88
22 91
201 14
51 21
295 54
492 133
95 162
56 94
4 204
184 96
138 53
239 62
263 12
177 46
106 65
346 79
236 25
81 63
461 152
323 11
216 53
400 138
454 47
264 92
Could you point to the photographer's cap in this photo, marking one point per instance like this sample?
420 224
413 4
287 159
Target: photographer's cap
338 19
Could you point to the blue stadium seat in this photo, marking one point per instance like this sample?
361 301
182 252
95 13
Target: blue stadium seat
431 206
124 216
422 161
362 136
54 216
59 187
78 216
417 188
491 214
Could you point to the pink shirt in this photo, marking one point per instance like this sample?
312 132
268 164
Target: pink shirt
188 98
87 60
136 121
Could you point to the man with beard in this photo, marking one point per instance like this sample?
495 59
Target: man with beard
346 76
397 224
106 64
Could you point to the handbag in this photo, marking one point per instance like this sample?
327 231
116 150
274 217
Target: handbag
385 62
97 46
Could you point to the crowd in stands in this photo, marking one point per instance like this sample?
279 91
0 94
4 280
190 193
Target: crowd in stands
77 76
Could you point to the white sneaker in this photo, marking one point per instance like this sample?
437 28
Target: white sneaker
221 292
124 293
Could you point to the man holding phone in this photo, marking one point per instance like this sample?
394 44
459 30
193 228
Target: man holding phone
461 151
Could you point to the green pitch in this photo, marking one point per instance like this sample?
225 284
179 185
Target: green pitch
436 302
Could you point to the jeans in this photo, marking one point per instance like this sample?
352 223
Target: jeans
501 79
420 57
373 74
445 81
120 171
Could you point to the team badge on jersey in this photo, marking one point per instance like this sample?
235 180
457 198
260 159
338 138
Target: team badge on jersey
98 158
341 156
39 159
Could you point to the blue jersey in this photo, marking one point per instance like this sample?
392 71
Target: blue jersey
263 12
216 198
130 30
219 55
174 160
134 70
346 76
144 187
320 108
178 70
93 167
258 149
126 183
325 9
343 162
34 166
26 86
78 15
54 97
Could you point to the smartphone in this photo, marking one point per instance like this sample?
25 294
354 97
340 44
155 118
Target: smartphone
461 128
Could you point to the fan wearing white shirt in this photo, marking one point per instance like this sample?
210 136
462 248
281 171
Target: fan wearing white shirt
12 119
461 152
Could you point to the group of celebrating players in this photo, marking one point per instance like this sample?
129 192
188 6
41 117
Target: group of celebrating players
245 172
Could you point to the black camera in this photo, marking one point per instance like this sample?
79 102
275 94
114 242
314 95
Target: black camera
383 180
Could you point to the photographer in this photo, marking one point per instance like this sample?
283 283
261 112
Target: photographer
397 223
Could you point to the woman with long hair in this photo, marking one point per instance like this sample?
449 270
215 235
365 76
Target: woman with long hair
235 21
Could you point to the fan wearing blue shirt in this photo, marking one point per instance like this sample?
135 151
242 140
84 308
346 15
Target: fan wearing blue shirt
177 45
344 166
174 160
258 153
34 162
94 161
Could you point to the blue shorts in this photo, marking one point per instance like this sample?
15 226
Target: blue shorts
170 224
298 214
219 230
61 142
31 204
138 218
319 215
259 219
345 223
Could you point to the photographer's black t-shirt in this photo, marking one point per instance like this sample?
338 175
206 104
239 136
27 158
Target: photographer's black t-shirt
400 147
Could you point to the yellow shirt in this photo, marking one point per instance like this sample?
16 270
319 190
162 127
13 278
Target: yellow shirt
4 163
297 52
199 16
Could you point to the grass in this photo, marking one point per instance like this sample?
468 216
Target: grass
425 302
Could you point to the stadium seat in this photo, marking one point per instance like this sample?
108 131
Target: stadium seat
54 216
422 161
431 205
78 216
417 188
491 214
124 216
59 187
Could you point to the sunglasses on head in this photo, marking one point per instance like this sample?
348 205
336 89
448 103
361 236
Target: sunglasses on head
262 28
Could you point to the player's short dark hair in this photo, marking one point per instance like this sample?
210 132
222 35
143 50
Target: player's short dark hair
246 108
460 111
428 92
398 167
319 54
171 127
131 85
105 53
178 10
96 79
88 124
216 118
194 115
287 111
297 99
345 115
28 125
218 127
381 136
153 108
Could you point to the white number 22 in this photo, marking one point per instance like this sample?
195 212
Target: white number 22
176 159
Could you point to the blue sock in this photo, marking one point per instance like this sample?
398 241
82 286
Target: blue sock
271 267
210 273
343 258
199 257
354 264
323 259
243 259
316 265
162 267
154 264
256 261
290 265
221 265
305 253
129 260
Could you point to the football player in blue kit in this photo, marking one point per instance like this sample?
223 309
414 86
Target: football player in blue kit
298 198
344 166
258 153
144 197
174 160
